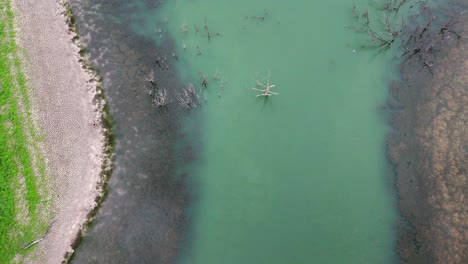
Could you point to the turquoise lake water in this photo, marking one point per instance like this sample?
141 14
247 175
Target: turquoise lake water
299 177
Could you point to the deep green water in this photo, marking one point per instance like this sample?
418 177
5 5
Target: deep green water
300 177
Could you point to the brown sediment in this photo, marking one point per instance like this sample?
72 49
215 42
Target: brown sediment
68 105
429 149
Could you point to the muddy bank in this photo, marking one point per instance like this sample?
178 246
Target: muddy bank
429 145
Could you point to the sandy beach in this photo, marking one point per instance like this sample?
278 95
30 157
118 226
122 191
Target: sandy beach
65 106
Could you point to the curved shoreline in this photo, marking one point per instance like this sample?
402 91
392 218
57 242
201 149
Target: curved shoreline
68 103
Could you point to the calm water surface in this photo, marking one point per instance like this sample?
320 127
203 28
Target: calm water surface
299 177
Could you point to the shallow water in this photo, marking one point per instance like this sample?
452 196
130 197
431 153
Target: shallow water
298 177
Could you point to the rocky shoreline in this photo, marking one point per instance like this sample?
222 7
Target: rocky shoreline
429 149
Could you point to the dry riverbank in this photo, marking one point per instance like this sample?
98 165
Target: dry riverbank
67 107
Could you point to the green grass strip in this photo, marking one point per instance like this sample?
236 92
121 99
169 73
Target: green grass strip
17 138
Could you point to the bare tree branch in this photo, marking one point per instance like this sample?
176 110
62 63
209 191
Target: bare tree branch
265 92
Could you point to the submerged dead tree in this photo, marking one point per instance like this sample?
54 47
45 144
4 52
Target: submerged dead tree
419 45
160 98
209 34
159 94
382 33
425 147
188 97
424 42
163 99
396 5
416 41
258 18
203 81
266 92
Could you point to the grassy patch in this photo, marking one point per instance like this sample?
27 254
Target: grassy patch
21 166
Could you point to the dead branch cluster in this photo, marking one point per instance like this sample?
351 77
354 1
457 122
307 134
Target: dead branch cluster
208 33
187 97
418 42
423 42
204 80
205 31
394 5
385 40
162 62
265 84
159 94
385 33
420 45
448 28
204 84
